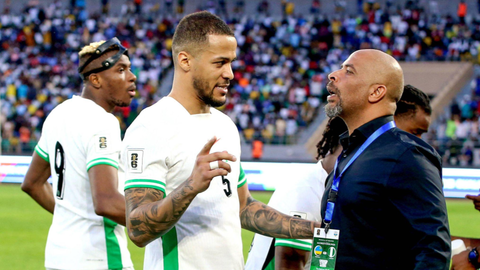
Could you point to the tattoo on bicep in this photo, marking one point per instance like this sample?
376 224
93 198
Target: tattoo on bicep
262 219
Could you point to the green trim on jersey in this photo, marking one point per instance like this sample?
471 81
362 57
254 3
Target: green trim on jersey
102 161
114 255
294 243
170 250
42 153
242 179
145 183
271 264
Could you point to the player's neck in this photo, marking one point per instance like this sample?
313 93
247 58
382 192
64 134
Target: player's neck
191 103
87 94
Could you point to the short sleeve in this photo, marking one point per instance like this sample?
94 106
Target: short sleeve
242 178
41 149
145 167
103 147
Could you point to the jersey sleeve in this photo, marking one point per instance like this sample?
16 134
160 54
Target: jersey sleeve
41 149
242 178
145 167
103 147
301 199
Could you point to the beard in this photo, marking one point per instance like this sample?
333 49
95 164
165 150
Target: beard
206 94
120 103
334 110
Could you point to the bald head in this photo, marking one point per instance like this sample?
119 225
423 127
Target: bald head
383 69
367 86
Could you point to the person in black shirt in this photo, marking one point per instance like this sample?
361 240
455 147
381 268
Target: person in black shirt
389 208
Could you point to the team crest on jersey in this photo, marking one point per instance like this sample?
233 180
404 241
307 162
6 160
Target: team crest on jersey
135 160
298 214
102 142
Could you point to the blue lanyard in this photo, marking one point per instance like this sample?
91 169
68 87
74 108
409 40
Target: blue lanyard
332 195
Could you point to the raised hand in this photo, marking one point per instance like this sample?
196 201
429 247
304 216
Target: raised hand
209 165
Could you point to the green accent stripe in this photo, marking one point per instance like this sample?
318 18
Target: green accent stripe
102 161
293 243
145 186
114 255
42 153
242 179
271 264
145 183
170 250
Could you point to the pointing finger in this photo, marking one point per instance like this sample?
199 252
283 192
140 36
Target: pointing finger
206 148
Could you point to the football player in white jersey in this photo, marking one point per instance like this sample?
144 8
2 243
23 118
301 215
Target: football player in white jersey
187 197
79 148
299 197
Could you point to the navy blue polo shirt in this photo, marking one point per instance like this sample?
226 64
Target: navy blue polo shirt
390 208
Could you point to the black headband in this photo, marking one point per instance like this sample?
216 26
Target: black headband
109 62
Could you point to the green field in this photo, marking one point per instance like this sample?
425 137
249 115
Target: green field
24 227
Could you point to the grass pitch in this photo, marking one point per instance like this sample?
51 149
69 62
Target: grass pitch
24 227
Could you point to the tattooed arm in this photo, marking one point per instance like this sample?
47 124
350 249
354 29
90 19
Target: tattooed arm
150 214
257 217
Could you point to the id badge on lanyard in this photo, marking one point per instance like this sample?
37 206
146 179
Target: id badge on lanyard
325 240
324 249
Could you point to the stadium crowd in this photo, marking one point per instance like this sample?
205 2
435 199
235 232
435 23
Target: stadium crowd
280 75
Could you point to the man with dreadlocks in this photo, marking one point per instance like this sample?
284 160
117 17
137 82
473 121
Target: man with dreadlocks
79 148
300 197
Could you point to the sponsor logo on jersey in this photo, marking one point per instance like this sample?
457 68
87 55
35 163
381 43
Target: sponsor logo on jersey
298 214
135 160
102 142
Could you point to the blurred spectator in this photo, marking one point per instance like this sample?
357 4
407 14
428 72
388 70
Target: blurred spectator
280 75
315 8
38 68
462 11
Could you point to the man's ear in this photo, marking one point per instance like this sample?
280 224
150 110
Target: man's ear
184 61
95 80
377 93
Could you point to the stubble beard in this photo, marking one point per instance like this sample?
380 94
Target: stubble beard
119 103
201 87
334 110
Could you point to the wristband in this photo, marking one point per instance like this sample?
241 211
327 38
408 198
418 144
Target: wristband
473 258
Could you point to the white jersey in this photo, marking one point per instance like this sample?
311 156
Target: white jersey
77 135
299 197
160 149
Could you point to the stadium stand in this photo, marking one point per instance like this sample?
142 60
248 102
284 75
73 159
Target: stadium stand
285 54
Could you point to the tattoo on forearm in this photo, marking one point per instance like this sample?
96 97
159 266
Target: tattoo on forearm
262 219
150 215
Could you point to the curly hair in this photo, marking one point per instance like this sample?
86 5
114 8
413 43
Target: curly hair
335 127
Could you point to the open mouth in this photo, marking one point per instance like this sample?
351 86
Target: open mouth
132 91
332 93
222 88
